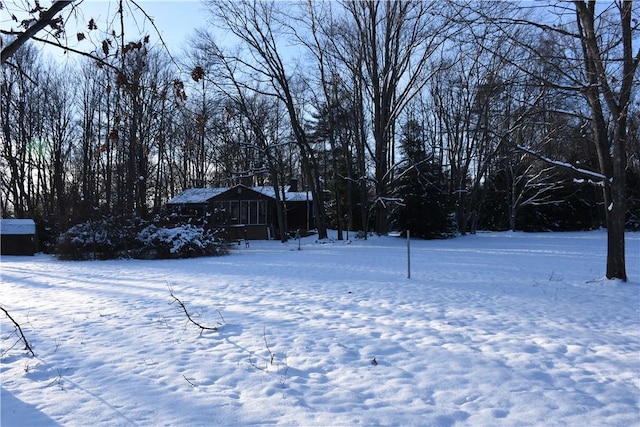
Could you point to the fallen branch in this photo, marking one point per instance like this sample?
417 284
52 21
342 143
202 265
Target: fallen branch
188 380
19 329
186 312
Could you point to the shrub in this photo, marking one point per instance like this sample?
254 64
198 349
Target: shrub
90 240
185 241
132 237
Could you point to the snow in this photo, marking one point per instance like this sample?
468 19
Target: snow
593 174
291 196
17 226
491 329
203 195
178 238
196 195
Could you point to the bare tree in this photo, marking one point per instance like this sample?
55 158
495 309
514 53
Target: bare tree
606 79
397 40
337 84
254 129
22 124
258 25
60 109
314 29
601 69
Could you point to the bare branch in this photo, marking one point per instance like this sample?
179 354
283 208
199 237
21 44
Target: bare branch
100 61
45 18
19 329
266 343
186 312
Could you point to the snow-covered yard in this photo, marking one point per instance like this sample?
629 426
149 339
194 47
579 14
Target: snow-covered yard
491 329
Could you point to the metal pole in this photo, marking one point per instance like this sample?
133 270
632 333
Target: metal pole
408 254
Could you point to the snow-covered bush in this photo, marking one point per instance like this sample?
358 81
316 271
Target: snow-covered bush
185 241
90 240
133 237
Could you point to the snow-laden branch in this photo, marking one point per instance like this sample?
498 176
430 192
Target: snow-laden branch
584 172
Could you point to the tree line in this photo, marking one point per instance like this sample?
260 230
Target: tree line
439 117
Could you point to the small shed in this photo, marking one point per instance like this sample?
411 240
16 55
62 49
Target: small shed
18 237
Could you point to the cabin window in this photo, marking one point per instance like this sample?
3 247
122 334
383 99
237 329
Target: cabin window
262 212
250 212
233 212
244 212
253 212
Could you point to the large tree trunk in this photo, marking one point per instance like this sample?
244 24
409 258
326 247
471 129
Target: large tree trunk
611 153
616 211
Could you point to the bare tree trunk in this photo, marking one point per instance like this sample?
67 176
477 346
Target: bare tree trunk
397 39
611 154
603 71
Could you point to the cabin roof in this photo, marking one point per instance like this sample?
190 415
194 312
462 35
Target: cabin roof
291 196
196 195
203 195
17 226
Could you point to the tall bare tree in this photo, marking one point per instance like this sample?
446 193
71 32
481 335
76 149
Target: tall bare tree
22 124
601 68
598 63
60 131
258 25
606 79
338 86
397 39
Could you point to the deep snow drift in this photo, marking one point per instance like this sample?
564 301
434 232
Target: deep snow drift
491 329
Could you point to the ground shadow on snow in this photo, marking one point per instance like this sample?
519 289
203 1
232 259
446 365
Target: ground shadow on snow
16 413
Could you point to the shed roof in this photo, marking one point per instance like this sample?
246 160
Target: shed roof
17 226
203 195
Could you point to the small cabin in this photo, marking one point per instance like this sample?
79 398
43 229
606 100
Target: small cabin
18 237
248 213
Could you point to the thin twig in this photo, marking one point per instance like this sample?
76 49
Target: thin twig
187 380
220 314
266 343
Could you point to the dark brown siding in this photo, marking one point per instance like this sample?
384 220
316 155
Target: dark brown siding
18 244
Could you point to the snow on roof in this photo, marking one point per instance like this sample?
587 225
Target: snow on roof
196 195
203 195
17 226
300 196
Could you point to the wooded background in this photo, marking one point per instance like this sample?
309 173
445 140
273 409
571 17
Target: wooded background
440 117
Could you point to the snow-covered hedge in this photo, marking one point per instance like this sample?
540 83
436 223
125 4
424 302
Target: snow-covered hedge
120 238
184 241
90 240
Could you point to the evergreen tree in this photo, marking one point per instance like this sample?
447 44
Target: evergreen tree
423 207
